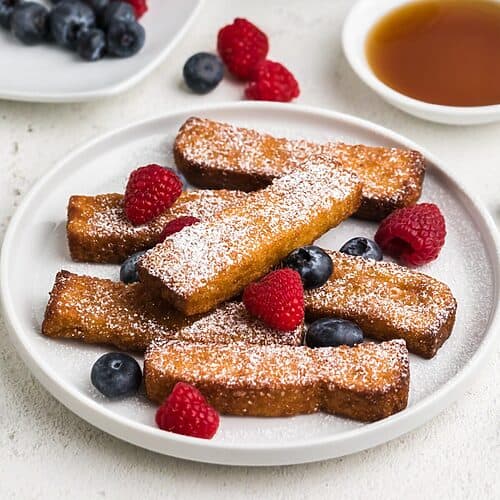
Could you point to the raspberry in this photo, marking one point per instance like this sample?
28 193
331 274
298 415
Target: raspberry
241 46
140 7
185 411
174 226
414 235
277 299
271 81
150 191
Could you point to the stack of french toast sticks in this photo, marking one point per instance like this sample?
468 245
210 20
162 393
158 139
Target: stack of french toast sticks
259 198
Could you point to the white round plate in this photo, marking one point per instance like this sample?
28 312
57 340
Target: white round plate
48 73
35 249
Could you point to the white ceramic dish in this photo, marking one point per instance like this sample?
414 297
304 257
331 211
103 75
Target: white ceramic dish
47 73
35 249
362 17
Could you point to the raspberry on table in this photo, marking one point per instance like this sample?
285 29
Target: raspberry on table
414 235
174 226
186 411
241 46
277 299
150 191
271 81
140 7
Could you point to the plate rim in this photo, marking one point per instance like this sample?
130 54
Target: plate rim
253 454
108 90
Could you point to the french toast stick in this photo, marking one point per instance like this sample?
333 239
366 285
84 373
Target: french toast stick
98 231
210 262
367 382
216 155
100 311
387 301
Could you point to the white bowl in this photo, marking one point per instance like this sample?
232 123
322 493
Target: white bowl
362 17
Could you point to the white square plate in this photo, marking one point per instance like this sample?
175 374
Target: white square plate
48 73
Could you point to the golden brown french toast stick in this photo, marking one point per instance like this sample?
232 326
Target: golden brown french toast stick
98 231
367 382
387 301
216 155
210 262
100 311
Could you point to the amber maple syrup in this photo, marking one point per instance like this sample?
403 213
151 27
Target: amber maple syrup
440 51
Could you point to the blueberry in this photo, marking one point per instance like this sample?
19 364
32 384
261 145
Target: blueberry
97 6
333 332
117 11
91 44
6 10
312 263
362 247
125 38
203 72
116 374
69 19
128 270
29 23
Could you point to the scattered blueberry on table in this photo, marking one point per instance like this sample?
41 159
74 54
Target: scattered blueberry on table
203 72
91 28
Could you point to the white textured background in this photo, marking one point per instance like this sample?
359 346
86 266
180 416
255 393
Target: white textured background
47 452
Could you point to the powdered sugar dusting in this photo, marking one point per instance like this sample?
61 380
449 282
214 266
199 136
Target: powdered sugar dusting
99 230
407 303
366 367
387 174
110 219
101 311
231 323
194 258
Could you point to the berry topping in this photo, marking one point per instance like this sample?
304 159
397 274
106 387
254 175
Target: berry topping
277 299
414 235
6 10
128 270
125 38
185 411
140 7
313 264
117 11
333 332
203 72
116 374
271 81
30 23
97 6
174 226
68 20
362 247
150 191
241 46
91 44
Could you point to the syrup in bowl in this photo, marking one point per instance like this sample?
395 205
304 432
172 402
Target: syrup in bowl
439 51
